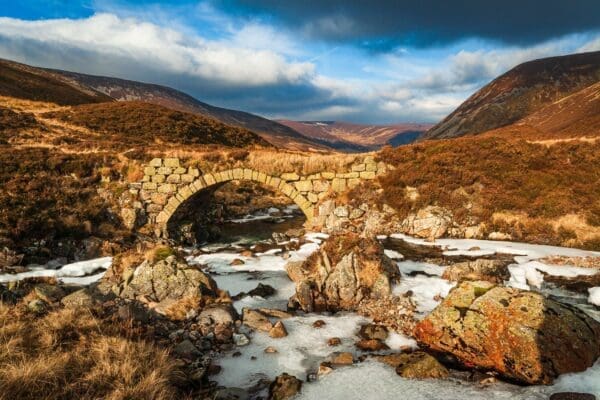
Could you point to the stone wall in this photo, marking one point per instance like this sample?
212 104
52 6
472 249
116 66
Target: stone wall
167 184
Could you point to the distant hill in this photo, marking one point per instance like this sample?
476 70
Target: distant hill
70 88
30 83
530 88
357 137
141 123
126 90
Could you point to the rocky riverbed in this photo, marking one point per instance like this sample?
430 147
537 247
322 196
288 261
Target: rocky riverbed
366 318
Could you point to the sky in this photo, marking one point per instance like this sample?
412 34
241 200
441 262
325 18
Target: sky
361 61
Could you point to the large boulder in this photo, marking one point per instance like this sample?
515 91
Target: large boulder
170 278
344 271
430 222
520 334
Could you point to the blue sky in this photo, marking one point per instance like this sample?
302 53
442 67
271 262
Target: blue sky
353 60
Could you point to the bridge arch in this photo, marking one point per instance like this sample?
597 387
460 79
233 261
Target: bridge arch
205 181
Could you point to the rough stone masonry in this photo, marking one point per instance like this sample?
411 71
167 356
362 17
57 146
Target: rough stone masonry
167 184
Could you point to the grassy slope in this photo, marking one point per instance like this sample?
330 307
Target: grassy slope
141 123
518 93
476 177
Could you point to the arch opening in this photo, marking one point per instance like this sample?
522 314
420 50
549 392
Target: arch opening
194 213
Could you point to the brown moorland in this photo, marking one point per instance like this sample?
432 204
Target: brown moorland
141 123
482 178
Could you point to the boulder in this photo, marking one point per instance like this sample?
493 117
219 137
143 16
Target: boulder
343 272
520 334
372 331
417 365
168 279
284 387
256 320
278 330
371 345
431 222
494 271
218 319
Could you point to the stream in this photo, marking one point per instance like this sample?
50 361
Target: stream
300 353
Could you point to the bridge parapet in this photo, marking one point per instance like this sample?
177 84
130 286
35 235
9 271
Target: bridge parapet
167 183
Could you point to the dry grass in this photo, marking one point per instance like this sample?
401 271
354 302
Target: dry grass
72 354
554 190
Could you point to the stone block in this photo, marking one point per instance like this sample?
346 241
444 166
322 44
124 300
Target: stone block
313 198
155 162
146 178
369 159
179 170
286 189
171 162
262 177
338 184
195 172
174 178
187 178
159 198
328 175
162 217
275 182
254 175
358 167
320 186
371 167
313 176
149 171
348 175
247 174
209 179
164 170
198 184
367 175
238 173
158 178
290 176
149 186
304 186
167 188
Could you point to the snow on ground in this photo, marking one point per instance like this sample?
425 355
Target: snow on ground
78 272
298 353
594 297
530 251
398 341
371 380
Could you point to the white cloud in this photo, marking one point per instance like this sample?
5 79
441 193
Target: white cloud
230 62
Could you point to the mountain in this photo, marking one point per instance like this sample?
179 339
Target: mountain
357 137
126 90
521 92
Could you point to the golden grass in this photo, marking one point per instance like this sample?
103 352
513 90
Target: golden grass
72 354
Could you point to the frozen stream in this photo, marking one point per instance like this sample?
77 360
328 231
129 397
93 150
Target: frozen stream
305 347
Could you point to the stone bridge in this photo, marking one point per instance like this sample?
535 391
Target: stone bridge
167 184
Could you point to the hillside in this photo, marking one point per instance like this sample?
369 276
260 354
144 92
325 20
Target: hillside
575 116
524 90
148 123
25 82
126 90
358 137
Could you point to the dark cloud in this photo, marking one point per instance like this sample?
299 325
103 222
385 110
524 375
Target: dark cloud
385 24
